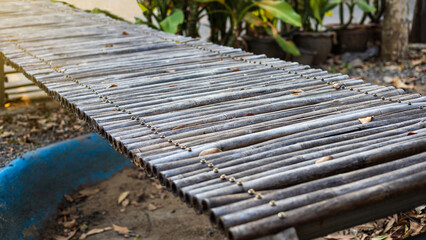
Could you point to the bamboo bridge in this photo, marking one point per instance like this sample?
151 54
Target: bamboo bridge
262 146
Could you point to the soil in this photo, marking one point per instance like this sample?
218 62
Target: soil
149 212
26 126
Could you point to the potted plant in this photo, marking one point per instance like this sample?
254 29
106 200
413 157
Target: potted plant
314 41
375 27
252 14
161 15
353 37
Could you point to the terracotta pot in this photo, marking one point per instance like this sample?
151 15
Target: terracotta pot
266 45
352 39
319 42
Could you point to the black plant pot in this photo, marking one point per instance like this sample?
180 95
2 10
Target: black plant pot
266 45
319 42
352 39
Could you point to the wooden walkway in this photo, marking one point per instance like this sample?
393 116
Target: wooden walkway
261 145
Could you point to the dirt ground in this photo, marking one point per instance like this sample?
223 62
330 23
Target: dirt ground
146 211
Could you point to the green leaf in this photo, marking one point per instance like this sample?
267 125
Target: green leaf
171 23
142 6
206 1
286 45
379 237
330 5
281 10
316 10
365 7
253 19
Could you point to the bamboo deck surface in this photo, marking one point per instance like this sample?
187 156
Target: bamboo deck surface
260 145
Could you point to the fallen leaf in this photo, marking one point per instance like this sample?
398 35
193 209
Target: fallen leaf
178 127
68 198
152 207
112 85
123 196
173 85
70 224
338 237
379 237
396 81
124 33
209 151
169 71
394 67
365 120
120 229
298 91
324 159
109 45
415 227
157 186
92 232
416 62
389 225
411 133
88 192
236 70
125 203
250 114
6 134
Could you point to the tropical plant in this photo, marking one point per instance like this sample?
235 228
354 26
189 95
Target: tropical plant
375 16
314 11
161 15
351 4
241 11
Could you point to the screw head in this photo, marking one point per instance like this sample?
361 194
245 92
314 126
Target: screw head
203 161
223 177
251 191
240 183
272 203
281 215
162 136
259 196
210 165
189 149
231 179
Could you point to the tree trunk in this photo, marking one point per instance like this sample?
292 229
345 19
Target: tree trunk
395 30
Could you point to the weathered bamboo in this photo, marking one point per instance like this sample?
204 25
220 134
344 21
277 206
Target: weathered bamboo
299 175
295 154
274 165
304 188
283 205
332 207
